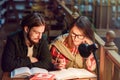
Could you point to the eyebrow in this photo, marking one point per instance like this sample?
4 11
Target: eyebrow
77 34
37 31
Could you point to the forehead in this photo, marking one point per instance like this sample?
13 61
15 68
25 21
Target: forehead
38 28
77 30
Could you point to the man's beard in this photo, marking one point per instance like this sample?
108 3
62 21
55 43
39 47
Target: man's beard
31 42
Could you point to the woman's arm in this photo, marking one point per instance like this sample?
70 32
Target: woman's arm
59 60
91 63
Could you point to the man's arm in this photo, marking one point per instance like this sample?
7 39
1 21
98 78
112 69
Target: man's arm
10 57
44 57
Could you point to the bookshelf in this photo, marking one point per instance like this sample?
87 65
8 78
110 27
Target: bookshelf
14 11
2 12
56 20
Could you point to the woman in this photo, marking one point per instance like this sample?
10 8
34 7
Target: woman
64 48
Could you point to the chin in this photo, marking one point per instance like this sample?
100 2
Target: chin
35 42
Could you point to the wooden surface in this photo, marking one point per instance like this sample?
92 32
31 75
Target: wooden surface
6 76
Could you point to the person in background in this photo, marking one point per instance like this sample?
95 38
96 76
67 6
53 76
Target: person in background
27 47
64 49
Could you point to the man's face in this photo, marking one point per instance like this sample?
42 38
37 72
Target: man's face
35 34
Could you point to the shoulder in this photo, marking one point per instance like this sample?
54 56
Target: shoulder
61 38
13 34
16 35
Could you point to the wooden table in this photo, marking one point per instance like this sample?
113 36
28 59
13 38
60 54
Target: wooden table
6 76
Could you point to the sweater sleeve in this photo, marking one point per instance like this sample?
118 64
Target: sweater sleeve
10 58
58 58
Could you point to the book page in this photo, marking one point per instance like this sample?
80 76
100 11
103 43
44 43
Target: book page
81 73
62 74
36 70
20 72
72 73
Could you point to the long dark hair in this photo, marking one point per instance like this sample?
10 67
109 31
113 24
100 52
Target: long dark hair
32 19
83 24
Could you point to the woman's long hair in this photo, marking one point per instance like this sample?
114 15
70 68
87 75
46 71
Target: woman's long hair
83 24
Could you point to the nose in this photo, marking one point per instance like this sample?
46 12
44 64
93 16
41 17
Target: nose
39 35
75 38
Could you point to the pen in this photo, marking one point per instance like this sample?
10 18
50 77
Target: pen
56 60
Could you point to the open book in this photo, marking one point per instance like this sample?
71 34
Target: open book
24 72
72 73
40 73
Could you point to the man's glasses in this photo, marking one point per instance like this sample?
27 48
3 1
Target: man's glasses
77 36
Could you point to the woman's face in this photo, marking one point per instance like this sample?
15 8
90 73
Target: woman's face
77 36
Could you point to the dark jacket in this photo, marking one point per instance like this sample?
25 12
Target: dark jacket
15 53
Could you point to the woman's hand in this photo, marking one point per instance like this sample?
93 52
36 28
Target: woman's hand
59 64
87 41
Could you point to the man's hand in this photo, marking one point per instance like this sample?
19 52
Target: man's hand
33 59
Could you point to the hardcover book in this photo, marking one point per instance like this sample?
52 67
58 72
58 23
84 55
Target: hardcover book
24 72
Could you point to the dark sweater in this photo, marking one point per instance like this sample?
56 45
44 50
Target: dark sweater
15 53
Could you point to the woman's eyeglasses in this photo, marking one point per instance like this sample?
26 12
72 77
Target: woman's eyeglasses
77 36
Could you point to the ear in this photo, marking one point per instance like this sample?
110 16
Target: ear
26 29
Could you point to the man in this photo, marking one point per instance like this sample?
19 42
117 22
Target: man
27 47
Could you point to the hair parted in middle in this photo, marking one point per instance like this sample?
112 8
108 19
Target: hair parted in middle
32 19
84 24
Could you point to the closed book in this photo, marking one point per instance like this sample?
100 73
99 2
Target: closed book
43 76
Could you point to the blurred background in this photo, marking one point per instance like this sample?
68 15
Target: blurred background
104 15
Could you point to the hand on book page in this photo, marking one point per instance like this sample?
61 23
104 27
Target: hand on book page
24 72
